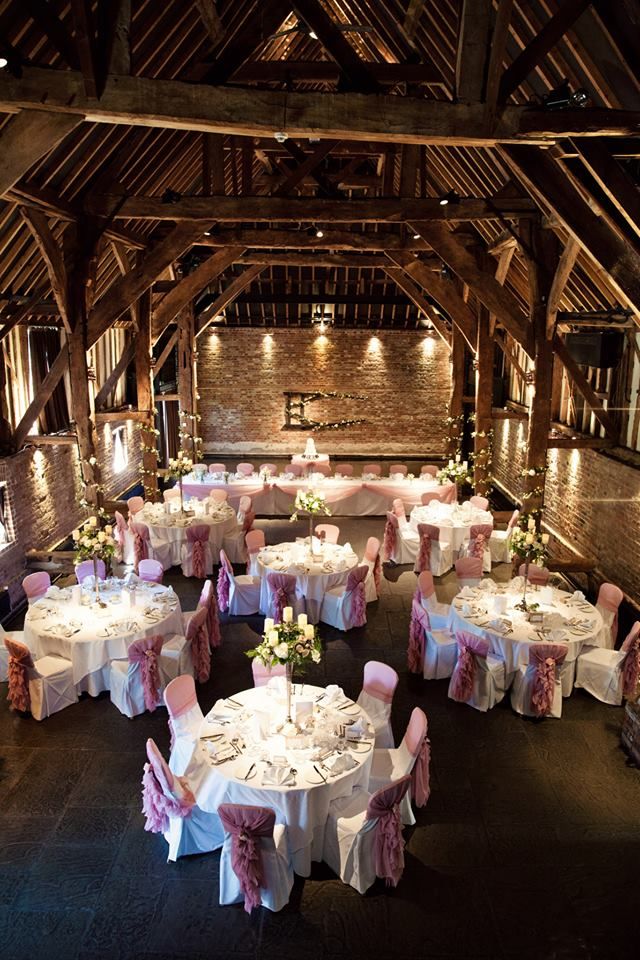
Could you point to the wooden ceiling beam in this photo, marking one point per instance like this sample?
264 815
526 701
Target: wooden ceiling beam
256 30
307 166
474 32
611 177
565 265
584 387
22 313
51 252
307 209
48 21
114 376
300 240
27 138
406 284
228 295
324 71
175 104
42 395
82 15
497 53
211 20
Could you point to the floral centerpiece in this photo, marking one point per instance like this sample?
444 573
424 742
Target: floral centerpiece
94 542
288 644
179 468
312 503
455 472
529 544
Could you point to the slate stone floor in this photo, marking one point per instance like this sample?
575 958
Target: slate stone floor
529 847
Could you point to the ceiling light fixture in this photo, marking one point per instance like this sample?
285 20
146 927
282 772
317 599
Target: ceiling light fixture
319 232
450 197
416 236
3 62
280 137
313 35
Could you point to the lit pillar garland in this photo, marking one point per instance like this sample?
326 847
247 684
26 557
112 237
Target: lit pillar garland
187 434
148 473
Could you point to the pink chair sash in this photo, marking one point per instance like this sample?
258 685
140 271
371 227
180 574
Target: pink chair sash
282 587
427 532
208 600
479 536
630 664
469 647
140 543
355 586
377 572
420 775
246 826
610 598
120 534
388 842
223 584
198 537
389 542
198 639
468 568
159 802
20 663
146 652
418 628
380 681
545 658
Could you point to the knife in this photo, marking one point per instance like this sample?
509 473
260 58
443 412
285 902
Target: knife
320 774
250 771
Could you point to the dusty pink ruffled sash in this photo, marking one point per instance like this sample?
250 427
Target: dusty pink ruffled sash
390 539
356 587
140 544
198 537
631 667
146 652
418 626
469 647
545 658
377 572
198 638
121 534
213 623
20 663
610 604
424 554
384 806
420 775
246 826
159 808
223 589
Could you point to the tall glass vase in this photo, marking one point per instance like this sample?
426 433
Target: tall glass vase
310 534
289 679
523 603
181 497
96 579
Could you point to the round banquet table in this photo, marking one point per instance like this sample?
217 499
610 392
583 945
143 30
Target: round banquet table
302 803
454 520
168 531
568 620
314 577
91 636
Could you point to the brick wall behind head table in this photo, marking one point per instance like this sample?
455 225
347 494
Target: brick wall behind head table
405 375
43 490
591 499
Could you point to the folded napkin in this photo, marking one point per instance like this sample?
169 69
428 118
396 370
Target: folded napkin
219 751
517 584
222 710
488 586
500 626
341 764
578 595
555 636
209 728
466 593
333 694
278 776
56 593
358 729
131 579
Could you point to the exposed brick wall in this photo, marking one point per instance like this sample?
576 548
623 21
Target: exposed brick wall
592 500
43 486
405 375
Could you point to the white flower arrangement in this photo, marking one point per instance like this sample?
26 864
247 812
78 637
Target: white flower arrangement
311 502
528 543
181 466
92 540
455 472
287 643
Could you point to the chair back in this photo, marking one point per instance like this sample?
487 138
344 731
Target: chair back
262 674
397 507
479 536
330 530
428 471
246 469
480 503
373 469
372 549
537 575
20 663
151 571
225 579
173 493
218 496
416 743
468 571
545 658
344 469
254 540
320 467
631 662
295 469
425 584
197 535
35 585
85 569
269 468
163 795
135 505
514 519
217 468
391 532
282 588
419 627
198 639
247 826
427 533
384 807
429 497
448 493
355 586
208 601
609 599
464 672
140 543
380 680
144 653
180 696
398 468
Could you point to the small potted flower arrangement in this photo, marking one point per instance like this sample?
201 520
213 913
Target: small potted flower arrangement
179 468
94 542
312 503
457 471
529 545
291 644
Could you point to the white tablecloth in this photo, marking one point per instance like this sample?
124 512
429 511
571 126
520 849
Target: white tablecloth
314 577
454 520
346 497
171 529
579 622
303 807
91 636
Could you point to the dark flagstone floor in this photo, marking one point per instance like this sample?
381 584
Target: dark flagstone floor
529 847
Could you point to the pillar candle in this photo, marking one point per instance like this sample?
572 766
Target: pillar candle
268 624
309 631
287 615
302 619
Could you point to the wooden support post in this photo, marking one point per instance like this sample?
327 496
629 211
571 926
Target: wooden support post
484 403
144 382
456 405
186 380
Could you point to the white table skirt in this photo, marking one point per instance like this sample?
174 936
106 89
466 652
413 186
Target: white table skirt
162 532
514 647
303 808
313 581
454 525
346 498
88 649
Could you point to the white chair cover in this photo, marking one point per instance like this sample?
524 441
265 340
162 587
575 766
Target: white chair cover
276 867
51 686
244 591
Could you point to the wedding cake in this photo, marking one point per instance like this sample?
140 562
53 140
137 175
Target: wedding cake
310 452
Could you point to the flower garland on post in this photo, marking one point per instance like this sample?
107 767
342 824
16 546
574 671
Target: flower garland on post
149 449
455 426
187 433
534 478
179 468
529 545
482 459
94 542
313 503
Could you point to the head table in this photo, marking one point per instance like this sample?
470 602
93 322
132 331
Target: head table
244 757
490 612
168 529
454 520
67 622
314 576
347 497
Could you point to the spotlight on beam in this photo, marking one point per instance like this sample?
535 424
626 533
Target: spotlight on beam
450 197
